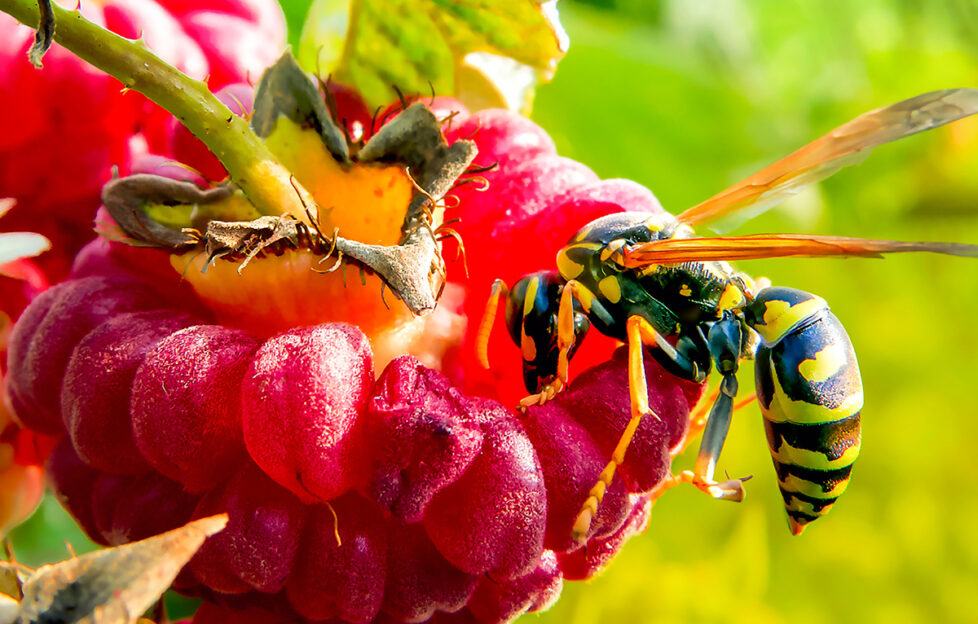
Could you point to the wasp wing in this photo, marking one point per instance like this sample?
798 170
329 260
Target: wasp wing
677 250
846 145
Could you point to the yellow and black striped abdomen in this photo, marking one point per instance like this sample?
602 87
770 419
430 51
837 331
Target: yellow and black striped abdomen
810 394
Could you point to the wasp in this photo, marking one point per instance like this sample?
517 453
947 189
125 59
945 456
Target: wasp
649 281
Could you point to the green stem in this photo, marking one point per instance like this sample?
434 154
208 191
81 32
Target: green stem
268 184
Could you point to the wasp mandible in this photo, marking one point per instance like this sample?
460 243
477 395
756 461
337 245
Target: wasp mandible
647 280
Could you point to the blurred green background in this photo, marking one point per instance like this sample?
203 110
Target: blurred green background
688 96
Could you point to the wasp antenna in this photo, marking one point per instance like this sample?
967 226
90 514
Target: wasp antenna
383 287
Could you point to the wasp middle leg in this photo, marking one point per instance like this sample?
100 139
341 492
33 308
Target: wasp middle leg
640 333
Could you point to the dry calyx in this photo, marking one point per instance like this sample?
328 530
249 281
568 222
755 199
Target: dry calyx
220 223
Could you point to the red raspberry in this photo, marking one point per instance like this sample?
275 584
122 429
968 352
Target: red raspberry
67 125
186 404
312 382
329 580
400 498
257 548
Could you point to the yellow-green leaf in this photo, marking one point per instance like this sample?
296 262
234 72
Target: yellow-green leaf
420 45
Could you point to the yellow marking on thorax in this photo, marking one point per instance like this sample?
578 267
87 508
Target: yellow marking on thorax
654 223
685 290
648 270
610 288
585 231
826 363
611 248
780 316
732 298
567 267
816 460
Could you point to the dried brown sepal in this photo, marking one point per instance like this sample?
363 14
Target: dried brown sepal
126 200
115 585
414 270
44 36
414 139
286 91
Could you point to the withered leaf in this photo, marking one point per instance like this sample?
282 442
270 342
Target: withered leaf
112 586
285 90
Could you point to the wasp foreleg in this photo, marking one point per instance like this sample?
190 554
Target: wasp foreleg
499 289
566 336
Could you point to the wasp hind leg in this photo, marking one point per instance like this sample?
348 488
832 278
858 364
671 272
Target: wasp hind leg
725 344
714 435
